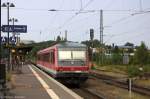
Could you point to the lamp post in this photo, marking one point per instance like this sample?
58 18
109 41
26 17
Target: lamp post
8 4
13 20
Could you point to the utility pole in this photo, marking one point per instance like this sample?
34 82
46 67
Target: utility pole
81 5
101 36
141 9
65 35
92 45
40 36
54 38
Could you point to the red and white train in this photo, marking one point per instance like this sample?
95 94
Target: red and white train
67 62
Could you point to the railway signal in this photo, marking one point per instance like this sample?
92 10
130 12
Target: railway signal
92 34
92 37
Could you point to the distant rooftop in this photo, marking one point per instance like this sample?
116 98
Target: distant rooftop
27 41
129 47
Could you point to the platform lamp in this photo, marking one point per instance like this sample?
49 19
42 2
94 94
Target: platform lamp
13 20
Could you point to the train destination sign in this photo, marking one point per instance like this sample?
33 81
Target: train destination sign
14 28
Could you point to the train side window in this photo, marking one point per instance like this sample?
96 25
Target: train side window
52 57
46 57
38 57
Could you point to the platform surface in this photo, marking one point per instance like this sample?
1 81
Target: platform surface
33 83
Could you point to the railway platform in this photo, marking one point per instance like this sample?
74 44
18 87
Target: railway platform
32 83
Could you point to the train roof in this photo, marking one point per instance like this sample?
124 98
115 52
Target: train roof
64 45
70 44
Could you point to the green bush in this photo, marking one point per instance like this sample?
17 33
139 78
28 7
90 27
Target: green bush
149 59
131 60
116 59
133 71
146 68
141 55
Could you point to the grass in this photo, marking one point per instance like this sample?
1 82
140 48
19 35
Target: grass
144 82
122 69
113 68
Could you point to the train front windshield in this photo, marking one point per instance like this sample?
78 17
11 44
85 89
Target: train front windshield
71 57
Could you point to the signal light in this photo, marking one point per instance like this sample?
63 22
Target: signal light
91 34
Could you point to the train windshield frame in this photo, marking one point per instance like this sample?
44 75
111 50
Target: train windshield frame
72 56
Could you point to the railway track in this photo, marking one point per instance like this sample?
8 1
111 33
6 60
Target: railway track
85 92
122 84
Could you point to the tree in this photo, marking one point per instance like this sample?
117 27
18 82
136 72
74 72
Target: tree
116 50
58 38
131 47
129 44
95 42
141 55
116 55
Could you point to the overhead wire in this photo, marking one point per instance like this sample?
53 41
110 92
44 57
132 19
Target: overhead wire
125 33
26 9
68 20
61 5
90 1
131 37
54 17
109 4
120 20
96 10
73 16
115 22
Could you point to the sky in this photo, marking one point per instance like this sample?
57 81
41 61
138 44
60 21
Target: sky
123 20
